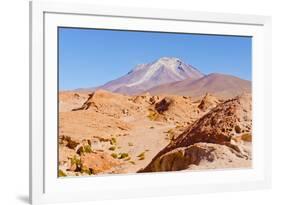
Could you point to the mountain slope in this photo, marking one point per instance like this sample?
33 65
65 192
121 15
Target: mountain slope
145 76
218 84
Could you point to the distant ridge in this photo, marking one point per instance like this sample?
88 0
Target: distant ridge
221 85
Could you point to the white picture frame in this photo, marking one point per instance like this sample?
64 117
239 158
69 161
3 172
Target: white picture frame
46 187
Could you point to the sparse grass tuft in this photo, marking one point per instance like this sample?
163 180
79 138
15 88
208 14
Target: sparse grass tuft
86 170
142 158
152 115
114 155
113 141
141 155
84 149
130 144
132 162
87 148
170 134
112 148
128 158
61 173
123 155
75 161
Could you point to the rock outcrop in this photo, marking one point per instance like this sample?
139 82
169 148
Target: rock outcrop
208 102
200 155
218 127
98 162
163 105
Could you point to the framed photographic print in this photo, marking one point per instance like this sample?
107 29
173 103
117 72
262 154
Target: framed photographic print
129 102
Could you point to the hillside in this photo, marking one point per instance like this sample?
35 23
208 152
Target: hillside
223 86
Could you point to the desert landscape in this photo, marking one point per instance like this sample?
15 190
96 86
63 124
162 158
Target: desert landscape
165 115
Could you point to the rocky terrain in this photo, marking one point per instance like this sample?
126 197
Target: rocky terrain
221 137
103 132
161 116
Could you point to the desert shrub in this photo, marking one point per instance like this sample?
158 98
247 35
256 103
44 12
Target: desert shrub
61 173
152 115
113 141
123 155
130 144
75 161
170 134
112 148
132 162
114 155
128 158
86 170
141 155
88 148
142 158
84 149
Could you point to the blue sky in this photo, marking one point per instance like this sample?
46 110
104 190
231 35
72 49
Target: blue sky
90 57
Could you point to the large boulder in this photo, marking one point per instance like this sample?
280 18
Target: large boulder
218 126
200 155
163 105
